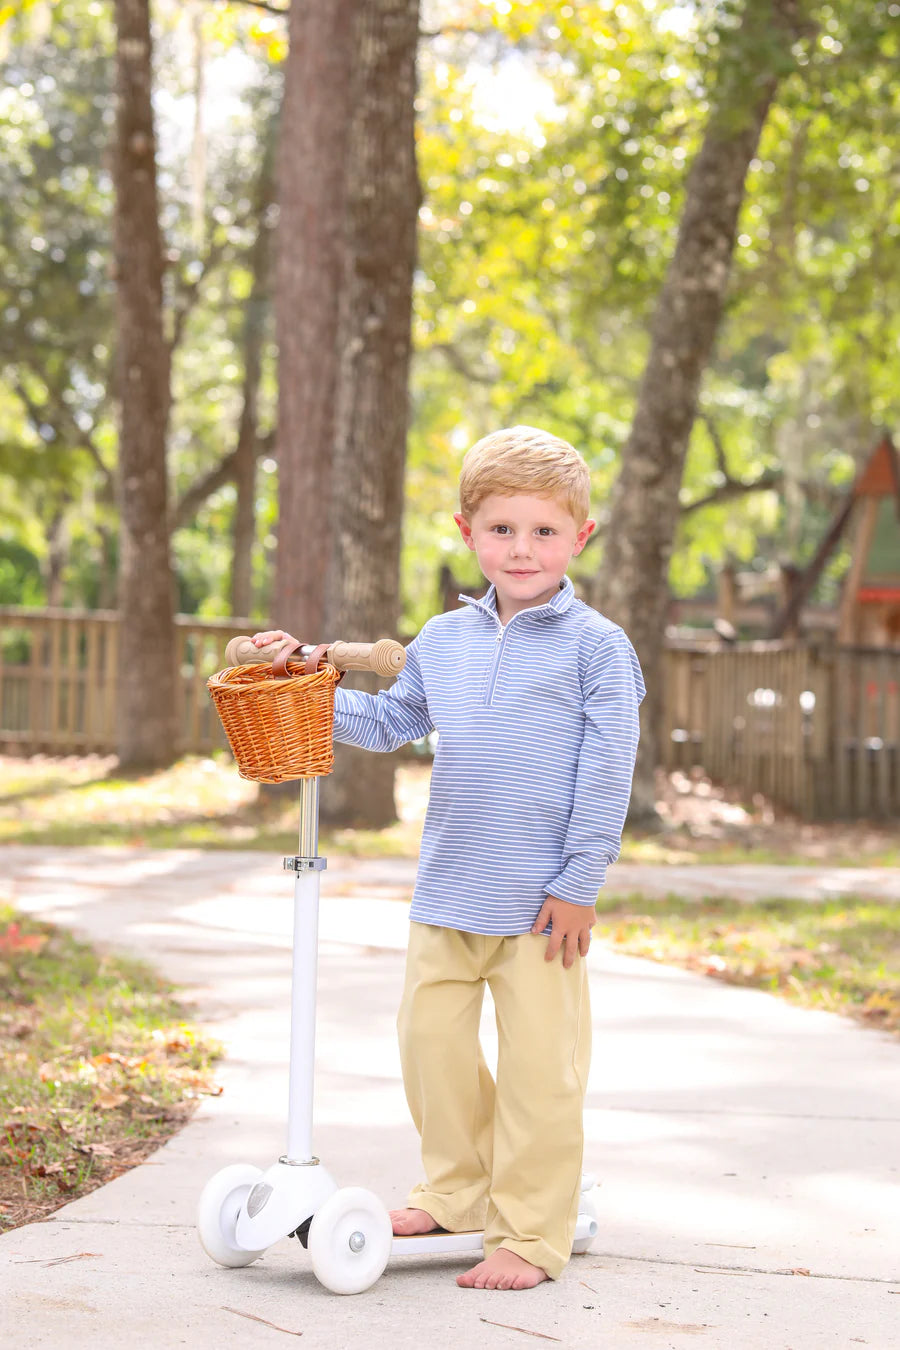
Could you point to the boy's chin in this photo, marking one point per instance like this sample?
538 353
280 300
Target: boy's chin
524 591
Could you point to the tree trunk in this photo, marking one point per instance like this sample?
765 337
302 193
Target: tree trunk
243 533
54 565
382 204
632 587
311 185
146 717
246 449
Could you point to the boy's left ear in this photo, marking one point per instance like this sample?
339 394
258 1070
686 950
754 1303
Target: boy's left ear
583 536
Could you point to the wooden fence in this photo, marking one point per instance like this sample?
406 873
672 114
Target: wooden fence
58 672
814 729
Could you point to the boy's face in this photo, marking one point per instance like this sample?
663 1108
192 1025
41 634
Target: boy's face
524 545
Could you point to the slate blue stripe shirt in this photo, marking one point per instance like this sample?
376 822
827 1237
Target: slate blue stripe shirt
537 726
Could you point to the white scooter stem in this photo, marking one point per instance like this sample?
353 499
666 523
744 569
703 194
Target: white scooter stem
303 983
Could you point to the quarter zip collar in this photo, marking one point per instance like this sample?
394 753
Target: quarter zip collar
557 604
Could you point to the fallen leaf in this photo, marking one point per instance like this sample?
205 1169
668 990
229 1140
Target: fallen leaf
507 1326
76 1256
177 1045
799 1270
110 1100
127 1061
253 1318
12 940
57 1260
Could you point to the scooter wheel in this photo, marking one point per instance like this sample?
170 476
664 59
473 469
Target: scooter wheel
587 1205
350 1240
221 1201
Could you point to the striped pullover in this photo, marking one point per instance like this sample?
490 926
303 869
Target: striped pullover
537 726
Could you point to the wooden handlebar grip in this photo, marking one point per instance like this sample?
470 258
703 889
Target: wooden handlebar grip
241 651
385 657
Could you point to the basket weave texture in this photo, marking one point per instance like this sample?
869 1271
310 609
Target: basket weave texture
278 729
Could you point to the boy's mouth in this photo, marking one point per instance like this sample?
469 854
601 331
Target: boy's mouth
521 572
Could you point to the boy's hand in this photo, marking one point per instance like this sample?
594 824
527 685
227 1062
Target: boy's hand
570 926
275 635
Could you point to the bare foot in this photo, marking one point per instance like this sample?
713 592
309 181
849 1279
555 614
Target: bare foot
503 1269
410 1222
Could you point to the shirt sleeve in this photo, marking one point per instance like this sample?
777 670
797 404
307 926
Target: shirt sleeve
388 719
613 690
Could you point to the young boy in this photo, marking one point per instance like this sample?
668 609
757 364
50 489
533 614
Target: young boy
535 700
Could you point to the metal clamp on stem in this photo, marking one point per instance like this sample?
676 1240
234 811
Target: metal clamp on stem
300 864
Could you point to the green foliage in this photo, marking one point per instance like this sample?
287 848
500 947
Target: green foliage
545 236
20 575
554 144
57 368
55 429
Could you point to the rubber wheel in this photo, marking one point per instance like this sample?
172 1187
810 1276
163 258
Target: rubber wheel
586 1205
220 1204
350 1240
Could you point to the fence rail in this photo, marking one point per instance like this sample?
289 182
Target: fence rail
814 729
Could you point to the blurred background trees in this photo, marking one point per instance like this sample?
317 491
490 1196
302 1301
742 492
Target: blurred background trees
554 149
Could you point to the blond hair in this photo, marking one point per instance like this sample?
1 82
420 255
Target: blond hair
527 460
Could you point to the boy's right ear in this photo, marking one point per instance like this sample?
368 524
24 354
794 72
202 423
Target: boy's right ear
465 530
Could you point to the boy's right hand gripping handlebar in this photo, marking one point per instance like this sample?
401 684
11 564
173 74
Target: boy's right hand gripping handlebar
384 657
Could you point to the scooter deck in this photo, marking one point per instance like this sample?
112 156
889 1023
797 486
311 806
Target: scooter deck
438 1242
470 1241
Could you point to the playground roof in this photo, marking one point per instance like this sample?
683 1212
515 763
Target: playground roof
880 579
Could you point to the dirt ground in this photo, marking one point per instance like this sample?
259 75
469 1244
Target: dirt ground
702 817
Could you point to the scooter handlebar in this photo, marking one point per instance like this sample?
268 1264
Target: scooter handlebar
384 657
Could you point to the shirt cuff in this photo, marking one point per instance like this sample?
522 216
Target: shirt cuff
578 883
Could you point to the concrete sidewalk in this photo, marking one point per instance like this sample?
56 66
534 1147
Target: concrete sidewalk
737 1139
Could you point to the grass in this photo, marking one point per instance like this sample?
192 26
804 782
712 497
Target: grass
97 1067
202 802
197 803
841 956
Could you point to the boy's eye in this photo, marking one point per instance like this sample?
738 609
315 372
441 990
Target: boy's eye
501 529
546 531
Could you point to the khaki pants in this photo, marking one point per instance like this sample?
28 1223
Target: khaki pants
507 1158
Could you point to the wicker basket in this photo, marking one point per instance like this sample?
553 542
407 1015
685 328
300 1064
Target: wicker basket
279 729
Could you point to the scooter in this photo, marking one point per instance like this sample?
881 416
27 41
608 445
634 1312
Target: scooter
243 1210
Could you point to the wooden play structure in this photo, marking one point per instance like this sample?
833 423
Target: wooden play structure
809 717
869 610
